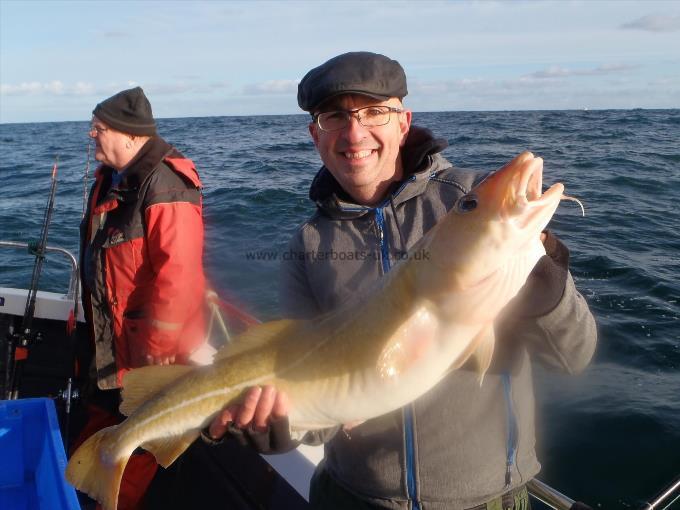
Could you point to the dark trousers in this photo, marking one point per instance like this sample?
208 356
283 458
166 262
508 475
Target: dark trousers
326 494
227 476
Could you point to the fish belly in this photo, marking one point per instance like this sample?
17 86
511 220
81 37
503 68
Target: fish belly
368 393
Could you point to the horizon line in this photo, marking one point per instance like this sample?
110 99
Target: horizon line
584 109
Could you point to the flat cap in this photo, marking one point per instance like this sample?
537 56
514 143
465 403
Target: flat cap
361 72
129 111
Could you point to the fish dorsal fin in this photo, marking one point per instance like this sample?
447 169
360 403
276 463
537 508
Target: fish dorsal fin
140 384
256 336
409 343
167 449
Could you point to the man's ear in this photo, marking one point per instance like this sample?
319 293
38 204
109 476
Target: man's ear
314 132
404 125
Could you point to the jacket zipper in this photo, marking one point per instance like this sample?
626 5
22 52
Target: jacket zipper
384 251
409 432
512 432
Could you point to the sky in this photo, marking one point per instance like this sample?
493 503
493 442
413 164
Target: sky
58 59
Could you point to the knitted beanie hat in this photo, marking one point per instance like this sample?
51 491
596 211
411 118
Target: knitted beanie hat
129 111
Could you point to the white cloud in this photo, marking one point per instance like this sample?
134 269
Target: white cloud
562 72
442 87
14 90
54 87
271 87
531 93
83 89
655 24
80 88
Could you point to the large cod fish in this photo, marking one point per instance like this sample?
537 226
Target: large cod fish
428 316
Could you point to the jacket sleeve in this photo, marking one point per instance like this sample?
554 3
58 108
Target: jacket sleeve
550 315
296 298
175 249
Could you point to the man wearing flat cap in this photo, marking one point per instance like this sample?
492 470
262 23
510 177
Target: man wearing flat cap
141 262
382 186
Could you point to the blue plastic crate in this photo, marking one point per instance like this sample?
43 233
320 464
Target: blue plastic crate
32 458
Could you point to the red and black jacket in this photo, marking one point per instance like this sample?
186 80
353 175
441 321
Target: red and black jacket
141 260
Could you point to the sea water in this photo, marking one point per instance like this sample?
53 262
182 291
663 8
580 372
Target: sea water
610 436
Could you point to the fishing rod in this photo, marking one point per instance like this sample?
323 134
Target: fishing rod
70 394
19 343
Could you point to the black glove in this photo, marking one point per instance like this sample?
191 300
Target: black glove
275 439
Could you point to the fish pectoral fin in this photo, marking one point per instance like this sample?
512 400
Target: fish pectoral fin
409 343
256 336
481 349
167 449
484 351
140 384
89 473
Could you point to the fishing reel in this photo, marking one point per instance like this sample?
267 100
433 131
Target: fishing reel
68 396
17 348
25 341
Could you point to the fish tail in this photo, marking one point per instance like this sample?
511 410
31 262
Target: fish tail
90 472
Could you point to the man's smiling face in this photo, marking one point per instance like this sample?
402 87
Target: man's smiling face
364 161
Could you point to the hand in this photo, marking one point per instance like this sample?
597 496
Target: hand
260 406
160 360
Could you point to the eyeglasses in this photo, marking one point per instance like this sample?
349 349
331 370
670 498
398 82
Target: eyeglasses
369 116
97 130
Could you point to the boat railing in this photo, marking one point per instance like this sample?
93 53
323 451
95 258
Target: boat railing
73 281
555 499
669 495
549 496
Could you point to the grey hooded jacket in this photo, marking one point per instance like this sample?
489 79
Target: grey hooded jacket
460 444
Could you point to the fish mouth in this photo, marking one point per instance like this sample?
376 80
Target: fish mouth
515 194
519 182
530 202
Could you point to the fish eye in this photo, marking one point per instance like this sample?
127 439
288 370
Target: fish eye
467 203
